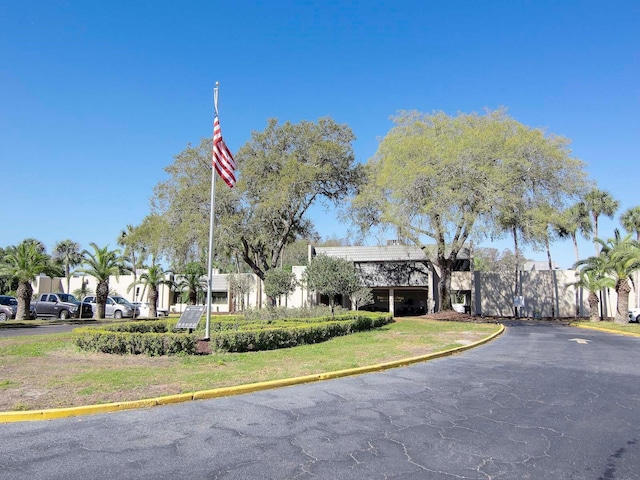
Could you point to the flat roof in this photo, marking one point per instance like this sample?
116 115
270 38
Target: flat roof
386 253
389 253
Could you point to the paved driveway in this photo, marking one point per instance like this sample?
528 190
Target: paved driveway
8 331
540 402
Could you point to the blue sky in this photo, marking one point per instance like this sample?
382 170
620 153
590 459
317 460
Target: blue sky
97 97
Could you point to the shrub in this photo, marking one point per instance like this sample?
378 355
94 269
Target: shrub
242 340
232 334
274 313
150 338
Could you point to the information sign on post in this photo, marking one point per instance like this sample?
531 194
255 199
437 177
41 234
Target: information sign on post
191 316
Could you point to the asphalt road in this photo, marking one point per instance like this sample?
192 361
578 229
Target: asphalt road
539 402
10 331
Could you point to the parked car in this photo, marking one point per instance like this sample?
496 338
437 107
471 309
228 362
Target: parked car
116 307
8 307
60 305
634 315
143 307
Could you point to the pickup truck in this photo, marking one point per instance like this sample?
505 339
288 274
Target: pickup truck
60 305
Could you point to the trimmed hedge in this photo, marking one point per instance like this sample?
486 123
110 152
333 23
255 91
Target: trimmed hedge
134 343
233 335
144 326
242 340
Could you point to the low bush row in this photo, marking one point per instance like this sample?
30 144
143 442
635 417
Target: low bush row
243 323
141 326
294 334
233 335
286 313
149 343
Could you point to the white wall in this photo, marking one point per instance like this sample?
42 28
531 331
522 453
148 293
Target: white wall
491 293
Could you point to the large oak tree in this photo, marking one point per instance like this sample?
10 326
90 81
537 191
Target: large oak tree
442 180
282 172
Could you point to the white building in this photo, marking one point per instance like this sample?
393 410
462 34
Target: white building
403 282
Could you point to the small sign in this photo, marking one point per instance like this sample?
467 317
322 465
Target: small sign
518 301
191 316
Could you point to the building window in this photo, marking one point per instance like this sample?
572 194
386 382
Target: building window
219 298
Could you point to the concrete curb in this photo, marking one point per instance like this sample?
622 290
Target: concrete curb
27 416
604 329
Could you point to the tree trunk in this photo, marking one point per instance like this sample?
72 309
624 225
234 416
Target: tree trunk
67 274
553 279
444 284
153 301
23 294
595 233
575 247
514 231
593 307
102 292
622 310
135 275
575 272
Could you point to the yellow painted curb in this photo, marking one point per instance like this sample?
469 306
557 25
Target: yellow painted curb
181 397
8 417
604 329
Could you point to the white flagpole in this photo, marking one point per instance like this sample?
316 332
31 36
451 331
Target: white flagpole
207 333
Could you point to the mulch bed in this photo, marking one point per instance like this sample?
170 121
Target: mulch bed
203 347
453 316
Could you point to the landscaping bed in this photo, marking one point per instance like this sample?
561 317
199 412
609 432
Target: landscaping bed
229 334
454 316
49 371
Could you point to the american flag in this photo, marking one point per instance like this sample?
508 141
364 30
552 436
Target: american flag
223 161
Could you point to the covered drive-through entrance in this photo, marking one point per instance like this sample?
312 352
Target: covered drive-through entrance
404 301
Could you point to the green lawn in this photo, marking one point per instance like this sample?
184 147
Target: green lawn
627 328
48 371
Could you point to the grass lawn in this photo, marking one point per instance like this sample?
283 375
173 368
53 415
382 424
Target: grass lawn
48 371
627 327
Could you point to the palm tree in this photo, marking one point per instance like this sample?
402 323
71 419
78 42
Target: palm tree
517 223
152 279
101 264
573 220
600 202
544 230
622 258
67 253
592 278
191 281
37 243
134 250
24 263
84 290
7 282
567 224
630 220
